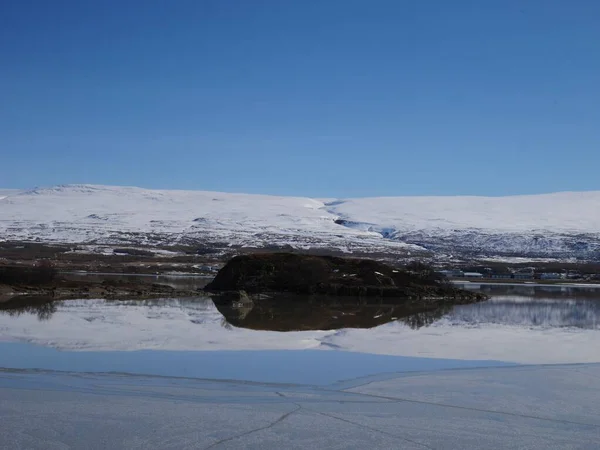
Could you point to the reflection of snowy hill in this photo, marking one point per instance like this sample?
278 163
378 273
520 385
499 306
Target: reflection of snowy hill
511 310
553 225
470 332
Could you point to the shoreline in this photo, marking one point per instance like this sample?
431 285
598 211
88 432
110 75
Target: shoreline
524 283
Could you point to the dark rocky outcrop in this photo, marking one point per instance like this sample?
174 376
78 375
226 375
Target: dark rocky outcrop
332 276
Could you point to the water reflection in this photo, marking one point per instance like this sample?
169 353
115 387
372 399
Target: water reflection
518 328
524 311
295 313
282 313
176 281
424 319
536 291
42 307
523 306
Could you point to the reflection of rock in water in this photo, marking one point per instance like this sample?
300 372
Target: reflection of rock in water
43 307
301 313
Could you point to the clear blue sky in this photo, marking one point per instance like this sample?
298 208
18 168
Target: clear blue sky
305 97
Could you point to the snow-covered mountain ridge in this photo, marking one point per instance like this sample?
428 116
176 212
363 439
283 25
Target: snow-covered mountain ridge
550 225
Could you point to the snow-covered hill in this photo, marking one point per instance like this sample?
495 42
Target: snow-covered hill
559 225
6 192
551 225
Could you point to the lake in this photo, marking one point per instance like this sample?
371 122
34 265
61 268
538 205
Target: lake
520 324
195 373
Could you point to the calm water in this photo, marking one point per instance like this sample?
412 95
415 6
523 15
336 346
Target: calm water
532 306
200 337
182 281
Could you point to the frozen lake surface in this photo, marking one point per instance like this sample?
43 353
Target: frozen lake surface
518 371
541 408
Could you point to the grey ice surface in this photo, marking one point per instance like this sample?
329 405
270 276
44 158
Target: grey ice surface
522 407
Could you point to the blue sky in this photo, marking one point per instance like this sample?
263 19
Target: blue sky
331 98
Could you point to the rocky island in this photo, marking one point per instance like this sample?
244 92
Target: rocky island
334 276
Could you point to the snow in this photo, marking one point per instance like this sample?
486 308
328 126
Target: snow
521 260
559 212
8 192
550 225
84 213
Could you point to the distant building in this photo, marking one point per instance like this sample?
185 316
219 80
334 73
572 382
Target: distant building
453 273
501 276
472 275
523 276
550 276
